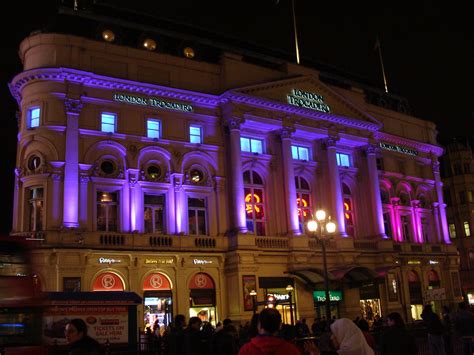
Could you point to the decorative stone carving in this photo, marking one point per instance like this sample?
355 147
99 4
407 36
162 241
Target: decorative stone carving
73 107
285 132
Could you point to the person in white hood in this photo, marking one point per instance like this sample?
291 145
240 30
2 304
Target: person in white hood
348 339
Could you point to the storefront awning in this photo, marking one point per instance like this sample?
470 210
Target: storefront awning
311 276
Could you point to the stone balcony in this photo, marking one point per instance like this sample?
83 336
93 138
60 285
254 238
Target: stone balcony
139 241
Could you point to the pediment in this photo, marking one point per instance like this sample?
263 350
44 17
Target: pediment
309 93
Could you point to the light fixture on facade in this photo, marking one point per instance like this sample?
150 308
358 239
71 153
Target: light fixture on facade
149 44
108 35
189 53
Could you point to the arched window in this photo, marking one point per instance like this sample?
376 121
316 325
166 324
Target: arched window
424 200
384 196
303 201
254 202
404 198
348 209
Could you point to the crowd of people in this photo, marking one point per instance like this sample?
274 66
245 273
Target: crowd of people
265 334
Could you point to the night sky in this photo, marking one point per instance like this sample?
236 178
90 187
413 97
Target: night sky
427 50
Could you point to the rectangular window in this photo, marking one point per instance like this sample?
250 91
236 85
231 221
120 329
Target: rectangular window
36 208
469 196
387 224
33 117
343 159
405 228
108 122
447 196
154 221
251 145
462 197
299 153
467 229
107 207
425 229
195 134
153 128
452 230
197 216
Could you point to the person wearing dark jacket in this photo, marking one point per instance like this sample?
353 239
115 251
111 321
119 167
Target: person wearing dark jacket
266 342
79 342
395 339
174 337
434 328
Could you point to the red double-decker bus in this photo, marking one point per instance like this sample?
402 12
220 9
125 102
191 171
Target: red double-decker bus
20 303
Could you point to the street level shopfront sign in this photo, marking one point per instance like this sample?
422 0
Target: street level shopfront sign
152 102
201 261
109 261
307 99
320 296
398 149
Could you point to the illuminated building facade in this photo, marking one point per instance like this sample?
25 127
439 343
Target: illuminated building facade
458 178
190 181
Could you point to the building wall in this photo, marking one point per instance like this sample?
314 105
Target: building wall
73 80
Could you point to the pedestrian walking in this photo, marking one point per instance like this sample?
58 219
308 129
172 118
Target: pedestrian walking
79 342
434 327
395 338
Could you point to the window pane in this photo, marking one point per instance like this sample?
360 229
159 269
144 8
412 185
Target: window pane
148 216
153 129
195 134
202 222
244 144
294 152
467 229
101 218
34 115
303 153
112 222
257 180
196 202
452 230
108 122
154 199
256 146
260 228
159 222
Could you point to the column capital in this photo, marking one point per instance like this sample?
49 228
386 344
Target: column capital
331 141
233 122
372 148
286 132
73 106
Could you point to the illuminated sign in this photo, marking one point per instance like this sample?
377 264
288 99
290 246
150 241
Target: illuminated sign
414 262
470 298
152 101
280 297
248 207
109 261
320 296
301 203
398 149
307 100
159 261
201 261
433 262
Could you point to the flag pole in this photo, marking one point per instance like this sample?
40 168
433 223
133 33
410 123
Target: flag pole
296 35
378 46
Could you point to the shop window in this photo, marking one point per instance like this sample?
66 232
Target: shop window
348 210
154 213
33 117
107 211
251 145
452 230
467 229
299 153
108 122
197 216
153 127
343 159
254 202
35 208
195 134
303 201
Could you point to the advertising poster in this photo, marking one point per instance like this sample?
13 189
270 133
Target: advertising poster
249 283
103 323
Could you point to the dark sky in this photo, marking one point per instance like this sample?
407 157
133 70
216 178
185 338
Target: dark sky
427 49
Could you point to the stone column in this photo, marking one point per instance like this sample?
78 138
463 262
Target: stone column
289 183
374 192
84 193
219 190
237 187
335 188
415 223
71 167
17 197
181 212
442 206
136 213
396 222
437 222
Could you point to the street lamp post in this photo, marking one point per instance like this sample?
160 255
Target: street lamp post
289 288
321 230
253 293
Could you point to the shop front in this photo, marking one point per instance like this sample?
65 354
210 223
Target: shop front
108 281
416 295
434 293
279 293
202 298
370 308
157 301
319 298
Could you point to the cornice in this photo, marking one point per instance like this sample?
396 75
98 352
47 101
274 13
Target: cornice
421 147
267 104
89 79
